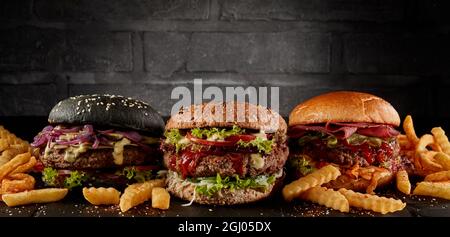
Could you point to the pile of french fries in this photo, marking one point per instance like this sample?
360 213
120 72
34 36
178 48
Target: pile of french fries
134 194
431 157
309 188
16 186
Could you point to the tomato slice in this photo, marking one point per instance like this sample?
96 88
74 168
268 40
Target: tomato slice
229 141
208 143
243 137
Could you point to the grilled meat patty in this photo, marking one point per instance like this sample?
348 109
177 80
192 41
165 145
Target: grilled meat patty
348 156
101 158
206 164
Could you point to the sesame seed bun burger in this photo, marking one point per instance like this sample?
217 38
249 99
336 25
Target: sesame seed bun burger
100 140
224 153
352 130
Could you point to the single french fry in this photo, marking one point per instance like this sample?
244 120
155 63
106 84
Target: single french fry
327 197
371 202
317 178
408 126
403 184
424 141
101 196
404 142
441 139
3 144
160 198
439 190
443 159
428 163
438 176
34 196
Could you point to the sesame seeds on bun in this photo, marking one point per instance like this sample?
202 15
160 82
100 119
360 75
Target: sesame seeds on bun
109 111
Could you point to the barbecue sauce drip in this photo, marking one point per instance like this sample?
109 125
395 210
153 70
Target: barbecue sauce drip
370 154
238 165
189 159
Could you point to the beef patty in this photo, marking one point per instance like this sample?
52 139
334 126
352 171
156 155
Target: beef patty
228 164
101 158
347 157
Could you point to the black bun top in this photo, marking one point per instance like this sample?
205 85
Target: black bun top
108 111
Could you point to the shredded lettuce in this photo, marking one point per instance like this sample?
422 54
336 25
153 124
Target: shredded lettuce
263 145
49 176
216 133
139 176
174 137
211 185
75 179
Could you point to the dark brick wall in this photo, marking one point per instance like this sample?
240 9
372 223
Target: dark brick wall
52 49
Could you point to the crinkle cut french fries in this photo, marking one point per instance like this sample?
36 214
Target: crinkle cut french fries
102 196
138 193
317 178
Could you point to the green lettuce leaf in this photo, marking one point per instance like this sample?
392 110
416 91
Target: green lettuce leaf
302 164
75 179
218 134
263 145
139 176
174 137
211 185
49 176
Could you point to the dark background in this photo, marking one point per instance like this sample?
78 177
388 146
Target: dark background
53 49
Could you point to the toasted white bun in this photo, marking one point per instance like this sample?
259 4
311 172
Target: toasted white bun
344 106
227 114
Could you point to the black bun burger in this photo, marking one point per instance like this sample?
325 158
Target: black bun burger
98 140
222 160
355 131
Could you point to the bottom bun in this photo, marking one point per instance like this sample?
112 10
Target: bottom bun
360 184
185 190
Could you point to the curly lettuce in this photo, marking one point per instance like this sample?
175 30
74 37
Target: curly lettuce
302 164
76 179
139 175
211 185
263 145
175 138
49 176
216 133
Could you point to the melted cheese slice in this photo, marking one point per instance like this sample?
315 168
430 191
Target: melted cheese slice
118 151
73 152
